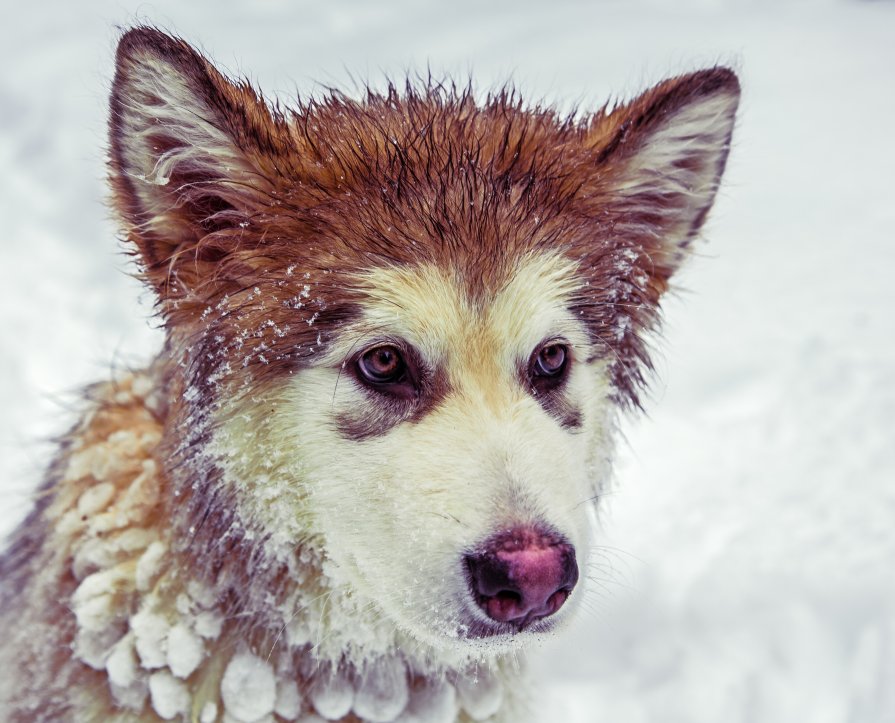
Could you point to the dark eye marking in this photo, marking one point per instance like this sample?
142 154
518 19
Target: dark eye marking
548 366
388 370
399 387
545 376
550 361
381 365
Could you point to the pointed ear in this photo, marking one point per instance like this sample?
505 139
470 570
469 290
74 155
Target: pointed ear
191 155
660 161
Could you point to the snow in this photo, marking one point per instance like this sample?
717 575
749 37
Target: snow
150 634
480 694
185 650
382 691
288 702
745 562
170 697
248 688
149 565
209 713
121 665
331 696
98 625
431 701
95 498
208 624
95 633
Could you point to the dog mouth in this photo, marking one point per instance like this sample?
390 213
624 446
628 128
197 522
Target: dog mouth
479 627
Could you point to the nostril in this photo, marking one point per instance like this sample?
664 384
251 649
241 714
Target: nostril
504 606
557 600
522 575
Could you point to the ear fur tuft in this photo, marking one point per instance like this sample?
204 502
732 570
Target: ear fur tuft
186 159
661 158
658 161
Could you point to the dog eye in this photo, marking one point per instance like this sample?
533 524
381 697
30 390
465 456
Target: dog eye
381 365
550 361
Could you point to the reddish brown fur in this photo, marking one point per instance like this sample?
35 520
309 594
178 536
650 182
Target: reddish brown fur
426 175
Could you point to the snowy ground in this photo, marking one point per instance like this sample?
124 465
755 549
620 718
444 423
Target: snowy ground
751 540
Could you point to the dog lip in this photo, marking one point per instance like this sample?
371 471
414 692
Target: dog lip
482 631
478 626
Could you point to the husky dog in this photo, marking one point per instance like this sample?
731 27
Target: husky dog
360 475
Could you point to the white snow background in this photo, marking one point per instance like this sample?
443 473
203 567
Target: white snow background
750 539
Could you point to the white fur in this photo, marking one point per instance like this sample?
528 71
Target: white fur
385 521
396 513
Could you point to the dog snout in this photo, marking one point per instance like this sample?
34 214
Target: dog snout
522 575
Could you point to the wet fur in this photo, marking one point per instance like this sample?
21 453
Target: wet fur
247 480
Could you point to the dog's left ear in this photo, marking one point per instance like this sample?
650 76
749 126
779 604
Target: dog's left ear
660 160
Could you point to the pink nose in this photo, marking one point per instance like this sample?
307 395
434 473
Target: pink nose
522 575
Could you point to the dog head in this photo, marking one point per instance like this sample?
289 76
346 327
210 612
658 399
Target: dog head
403 324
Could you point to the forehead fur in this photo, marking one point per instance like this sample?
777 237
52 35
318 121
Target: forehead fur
425 180
252 221
430 176
431 308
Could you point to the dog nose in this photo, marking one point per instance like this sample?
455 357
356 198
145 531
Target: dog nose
522 575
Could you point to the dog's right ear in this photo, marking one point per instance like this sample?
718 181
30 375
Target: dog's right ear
193 160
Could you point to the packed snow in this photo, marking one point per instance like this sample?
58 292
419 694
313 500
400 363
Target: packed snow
185 650
382 692
480 695
170 697
744 569
332 696
151 634
433 701
288 701
249 687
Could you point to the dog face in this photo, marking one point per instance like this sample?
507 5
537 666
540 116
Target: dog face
402 326
434 435
479 437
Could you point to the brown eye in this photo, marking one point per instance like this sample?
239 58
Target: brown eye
381 365
550 361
